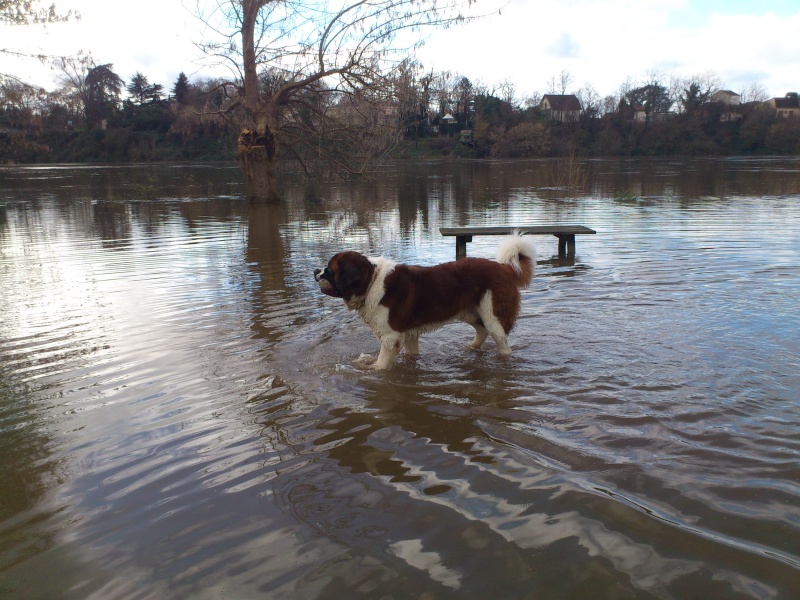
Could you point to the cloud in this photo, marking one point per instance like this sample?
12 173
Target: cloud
564 46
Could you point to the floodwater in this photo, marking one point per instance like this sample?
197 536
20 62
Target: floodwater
181 416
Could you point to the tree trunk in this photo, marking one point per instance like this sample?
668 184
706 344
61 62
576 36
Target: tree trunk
258 148
257 153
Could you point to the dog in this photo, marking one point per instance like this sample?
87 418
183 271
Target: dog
400 302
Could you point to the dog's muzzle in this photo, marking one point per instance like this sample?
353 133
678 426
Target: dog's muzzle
324 277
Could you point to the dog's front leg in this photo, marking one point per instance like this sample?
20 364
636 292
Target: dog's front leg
364 360
390 348
411 345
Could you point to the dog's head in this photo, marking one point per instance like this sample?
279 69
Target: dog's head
347 276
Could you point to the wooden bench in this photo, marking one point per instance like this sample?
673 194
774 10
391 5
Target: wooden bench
565 234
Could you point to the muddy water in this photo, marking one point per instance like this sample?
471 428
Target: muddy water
180 415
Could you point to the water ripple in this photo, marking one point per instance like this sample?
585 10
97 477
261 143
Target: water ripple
181 415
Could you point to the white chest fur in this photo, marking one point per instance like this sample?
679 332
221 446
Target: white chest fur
369 307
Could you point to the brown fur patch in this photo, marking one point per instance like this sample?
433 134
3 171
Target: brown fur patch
421 296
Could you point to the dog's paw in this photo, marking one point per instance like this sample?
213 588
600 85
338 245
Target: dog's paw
377 366
365 360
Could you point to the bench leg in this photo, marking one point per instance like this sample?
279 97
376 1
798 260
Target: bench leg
566 245
461 245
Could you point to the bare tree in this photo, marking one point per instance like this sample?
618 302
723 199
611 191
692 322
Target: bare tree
95 88
27 12
559 84
754 92
507 91
532 100
28 103
411 95
609 105
312 78
689 93
590 100
626 87
72 72
442 87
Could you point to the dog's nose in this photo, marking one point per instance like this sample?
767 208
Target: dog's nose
316 273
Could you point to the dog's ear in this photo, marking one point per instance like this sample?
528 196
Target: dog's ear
353 275
349 276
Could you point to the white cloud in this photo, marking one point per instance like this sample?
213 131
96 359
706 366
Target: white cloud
564 46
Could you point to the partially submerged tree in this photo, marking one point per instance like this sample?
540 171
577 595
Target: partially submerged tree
314 79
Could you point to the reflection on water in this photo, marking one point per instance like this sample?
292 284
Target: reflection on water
180 415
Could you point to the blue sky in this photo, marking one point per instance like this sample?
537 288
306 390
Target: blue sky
697 14
601 43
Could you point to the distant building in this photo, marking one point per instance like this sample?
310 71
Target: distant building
448 125
561 108
726 97
632 112
787 107
731 102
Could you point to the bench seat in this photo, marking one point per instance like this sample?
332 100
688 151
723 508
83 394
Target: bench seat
565 234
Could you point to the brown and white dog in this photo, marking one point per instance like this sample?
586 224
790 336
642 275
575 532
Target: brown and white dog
400 302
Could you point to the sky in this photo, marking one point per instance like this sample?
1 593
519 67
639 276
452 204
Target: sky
601 43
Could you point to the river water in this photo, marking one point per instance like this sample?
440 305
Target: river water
181 416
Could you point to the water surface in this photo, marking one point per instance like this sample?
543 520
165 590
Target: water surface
180 415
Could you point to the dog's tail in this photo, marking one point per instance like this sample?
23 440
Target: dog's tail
520 254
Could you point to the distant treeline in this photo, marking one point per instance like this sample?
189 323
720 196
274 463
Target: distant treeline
86 121
90 124
754 129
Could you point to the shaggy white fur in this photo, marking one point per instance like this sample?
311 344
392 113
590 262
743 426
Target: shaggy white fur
512 246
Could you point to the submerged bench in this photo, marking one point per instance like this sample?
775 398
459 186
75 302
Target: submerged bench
565 234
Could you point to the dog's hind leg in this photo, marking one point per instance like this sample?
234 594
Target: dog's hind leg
480 335
474 319
499 337
493 325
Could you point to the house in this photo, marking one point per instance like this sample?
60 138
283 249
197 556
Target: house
787 107
726 97
731 102
632 112
561 108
